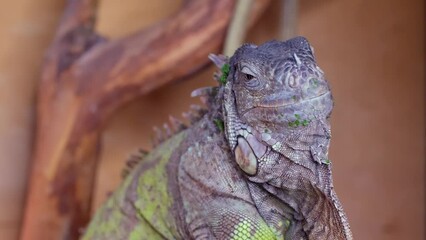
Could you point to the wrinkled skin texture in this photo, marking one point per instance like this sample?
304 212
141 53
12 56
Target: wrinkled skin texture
277 104
266 176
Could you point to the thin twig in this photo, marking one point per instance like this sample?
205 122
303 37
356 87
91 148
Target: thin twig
238 27
288 24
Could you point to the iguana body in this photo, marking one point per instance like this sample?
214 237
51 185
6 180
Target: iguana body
265 174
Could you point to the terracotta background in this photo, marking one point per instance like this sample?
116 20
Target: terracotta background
373 55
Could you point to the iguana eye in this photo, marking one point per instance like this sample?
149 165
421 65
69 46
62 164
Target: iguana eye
249 79
249 76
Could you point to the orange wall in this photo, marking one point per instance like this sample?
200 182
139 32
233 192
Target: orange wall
371 51
373 54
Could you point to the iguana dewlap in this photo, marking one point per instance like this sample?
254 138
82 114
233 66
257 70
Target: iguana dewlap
253 166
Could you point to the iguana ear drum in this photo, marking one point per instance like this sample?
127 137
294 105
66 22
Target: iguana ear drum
245 157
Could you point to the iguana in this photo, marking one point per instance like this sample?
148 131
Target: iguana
254 165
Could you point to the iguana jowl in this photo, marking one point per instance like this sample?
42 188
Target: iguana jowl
263 174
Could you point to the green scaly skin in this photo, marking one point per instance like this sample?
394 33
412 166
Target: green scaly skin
147 205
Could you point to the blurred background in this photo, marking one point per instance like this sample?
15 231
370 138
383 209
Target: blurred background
373 53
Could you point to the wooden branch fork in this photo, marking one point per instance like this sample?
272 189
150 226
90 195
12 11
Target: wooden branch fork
85 78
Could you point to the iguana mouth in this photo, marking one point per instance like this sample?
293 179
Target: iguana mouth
285 102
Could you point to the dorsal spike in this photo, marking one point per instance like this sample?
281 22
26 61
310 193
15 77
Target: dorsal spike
158 136
204 91
187 116
195 107
216 76
204 100
177 124
192 117
132 161
167 130
218 60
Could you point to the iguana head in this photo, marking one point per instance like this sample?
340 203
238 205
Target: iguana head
275 98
